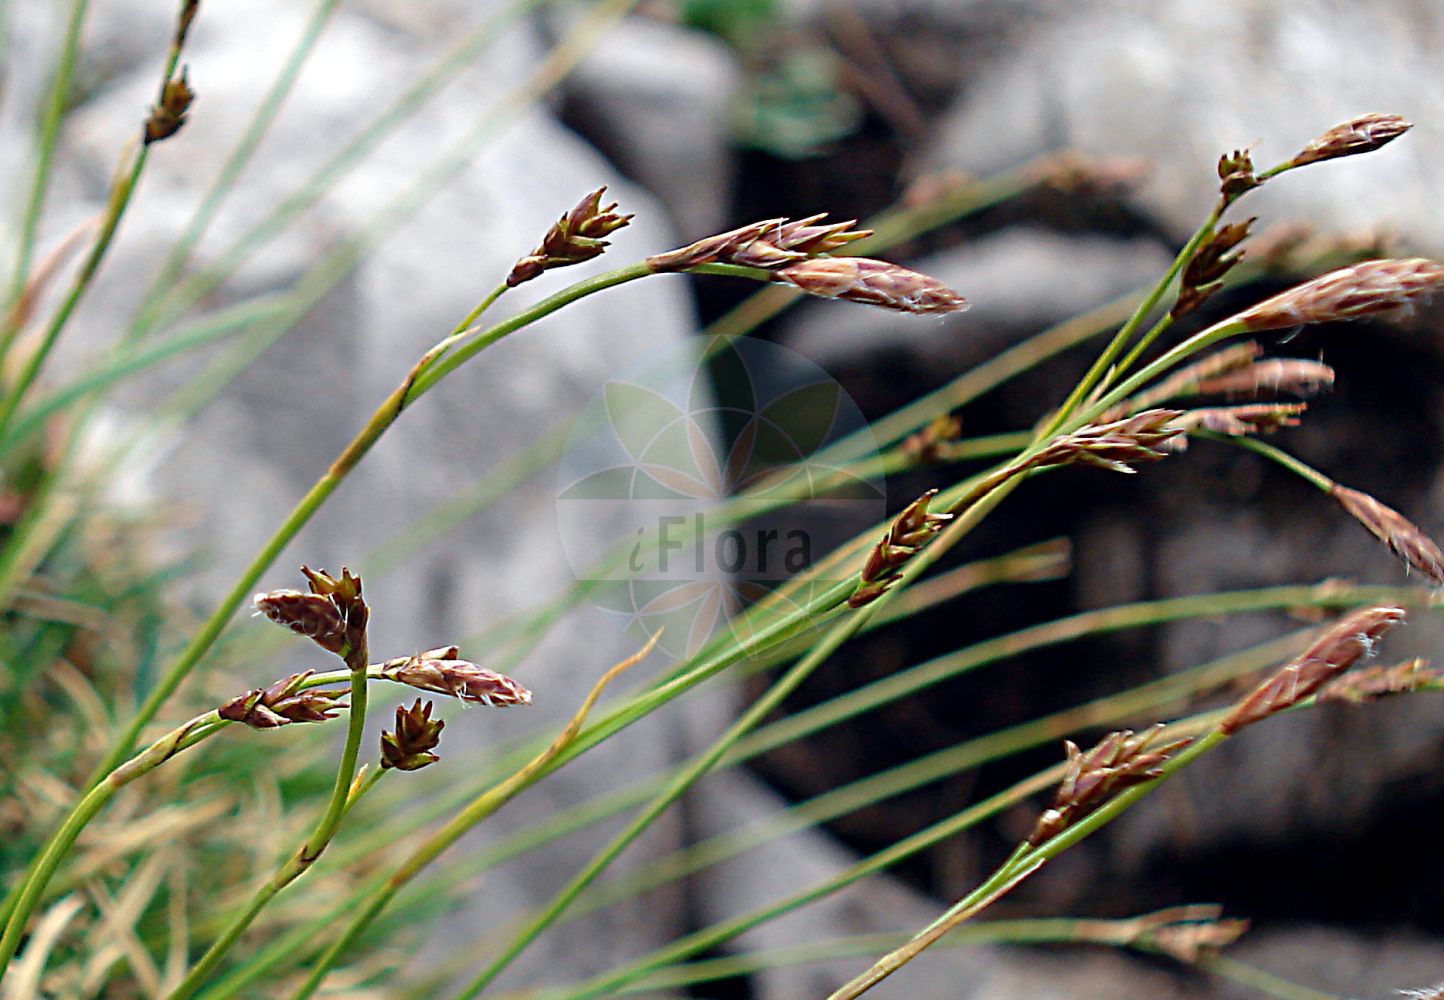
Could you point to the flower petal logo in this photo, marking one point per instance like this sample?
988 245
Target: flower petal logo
703 481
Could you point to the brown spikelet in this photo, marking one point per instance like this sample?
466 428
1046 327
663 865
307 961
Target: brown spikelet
1401 535
871 282
1186 381
576 237
929 445
1359 135
1297 376
1205 271
333 615
911 530
283 703
1339 648
1236 421
1387 289
444 672
1189 941
311 615
1358 687
1077 175
1236 174
167 117
769 244
409 747
1120 760
1117 445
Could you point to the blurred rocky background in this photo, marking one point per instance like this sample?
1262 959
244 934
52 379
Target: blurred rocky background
702 115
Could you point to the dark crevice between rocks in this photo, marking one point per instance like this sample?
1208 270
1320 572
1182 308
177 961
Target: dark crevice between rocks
1378 430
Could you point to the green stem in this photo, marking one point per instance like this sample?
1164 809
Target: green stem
384 416
342 796
55 103
1265 982
441 367
168 275
119 199
1099 372
95 799
674 790
1303 470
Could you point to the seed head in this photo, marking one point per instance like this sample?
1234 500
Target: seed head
283 703
1188 941
930 444
1401 535
1205 271
442 671
1236 175
333 614
1186 381
1358 687
167 117
1117 445
1359 135
1389 290
311 615
871 282
910 531
1120 760
1350 639
576 237
1236 421
1297 376
769 244
409 747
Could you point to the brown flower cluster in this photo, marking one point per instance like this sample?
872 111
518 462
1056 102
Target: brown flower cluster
1359 135
167 117
1388 290
409 747
1359 687
1402 536
333 615
576 237
443 671
1204 273
283 703
912 530
792 252
1119 761
1116 445
1350 639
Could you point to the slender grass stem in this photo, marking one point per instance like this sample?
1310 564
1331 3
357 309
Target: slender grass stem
1265 982
1275 454
94 800
343 793
1024 862
55 103
1098 374
674 789
122 188
157 295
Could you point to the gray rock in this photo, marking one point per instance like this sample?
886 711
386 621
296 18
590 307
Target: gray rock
1369 967
247 457
660 98
1180 84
